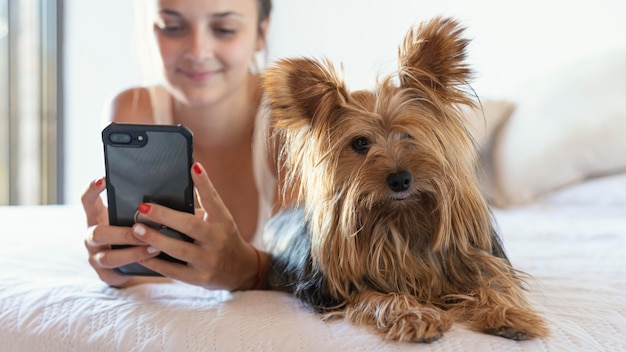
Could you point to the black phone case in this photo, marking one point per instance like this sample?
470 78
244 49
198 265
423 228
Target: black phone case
147 164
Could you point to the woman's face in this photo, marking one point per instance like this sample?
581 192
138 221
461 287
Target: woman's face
207 46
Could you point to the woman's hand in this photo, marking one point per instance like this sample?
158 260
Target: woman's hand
218 258
100 237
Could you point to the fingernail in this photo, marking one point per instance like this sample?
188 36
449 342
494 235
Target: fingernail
144 208
153 250
139 230
197 168
99 182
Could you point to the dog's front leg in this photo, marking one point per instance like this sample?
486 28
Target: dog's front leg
398 317
500 312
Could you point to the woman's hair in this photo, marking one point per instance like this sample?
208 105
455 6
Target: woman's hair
146 51
265 9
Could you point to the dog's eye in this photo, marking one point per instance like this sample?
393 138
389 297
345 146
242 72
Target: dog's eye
360 145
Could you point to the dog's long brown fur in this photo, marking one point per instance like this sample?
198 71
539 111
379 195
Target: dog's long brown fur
396 233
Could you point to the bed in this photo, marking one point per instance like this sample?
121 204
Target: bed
554 162
572 242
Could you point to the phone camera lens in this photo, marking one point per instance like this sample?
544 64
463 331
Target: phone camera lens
120 138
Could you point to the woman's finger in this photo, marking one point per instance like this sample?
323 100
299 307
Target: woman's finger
92 203
179 249
103 236
207 195
189 224
114 258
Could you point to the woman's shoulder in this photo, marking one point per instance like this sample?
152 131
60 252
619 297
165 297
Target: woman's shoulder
132 105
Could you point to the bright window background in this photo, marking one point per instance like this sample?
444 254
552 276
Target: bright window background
512 42
30 143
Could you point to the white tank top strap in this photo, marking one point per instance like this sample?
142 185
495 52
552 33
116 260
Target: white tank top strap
161 105
264 176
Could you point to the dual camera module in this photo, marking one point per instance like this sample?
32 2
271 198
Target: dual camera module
125 138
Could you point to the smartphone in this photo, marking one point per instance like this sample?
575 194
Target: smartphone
147 164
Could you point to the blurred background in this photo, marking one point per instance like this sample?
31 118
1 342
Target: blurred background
61 61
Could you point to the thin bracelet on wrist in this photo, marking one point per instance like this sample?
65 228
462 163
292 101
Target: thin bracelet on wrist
259 270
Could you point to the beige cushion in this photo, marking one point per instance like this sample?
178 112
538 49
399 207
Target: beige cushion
567 127
487 118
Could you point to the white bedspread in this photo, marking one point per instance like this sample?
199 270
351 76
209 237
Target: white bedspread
573 243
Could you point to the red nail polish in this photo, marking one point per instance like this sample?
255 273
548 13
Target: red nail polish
197 168
99 182
144 208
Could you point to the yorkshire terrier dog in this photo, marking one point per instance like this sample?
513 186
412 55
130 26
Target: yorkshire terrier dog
389 228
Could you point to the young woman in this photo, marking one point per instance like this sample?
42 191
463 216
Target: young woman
206 50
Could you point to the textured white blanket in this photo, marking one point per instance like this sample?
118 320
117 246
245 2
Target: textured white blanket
573 244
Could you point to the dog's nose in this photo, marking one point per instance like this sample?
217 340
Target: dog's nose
399 181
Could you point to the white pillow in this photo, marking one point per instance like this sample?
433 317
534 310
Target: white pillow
567 127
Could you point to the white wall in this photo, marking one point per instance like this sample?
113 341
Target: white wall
98 63
512 42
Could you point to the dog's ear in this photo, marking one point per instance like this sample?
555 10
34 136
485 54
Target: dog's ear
432 59
301 90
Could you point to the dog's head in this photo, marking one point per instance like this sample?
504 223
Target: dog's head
399 155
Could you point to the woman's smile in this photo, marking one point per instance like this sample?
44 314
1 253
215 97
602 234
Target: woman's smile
198 75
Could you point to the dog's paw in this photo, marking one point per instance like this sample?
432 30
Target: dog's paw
399 317
509 333
417 325
519 325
